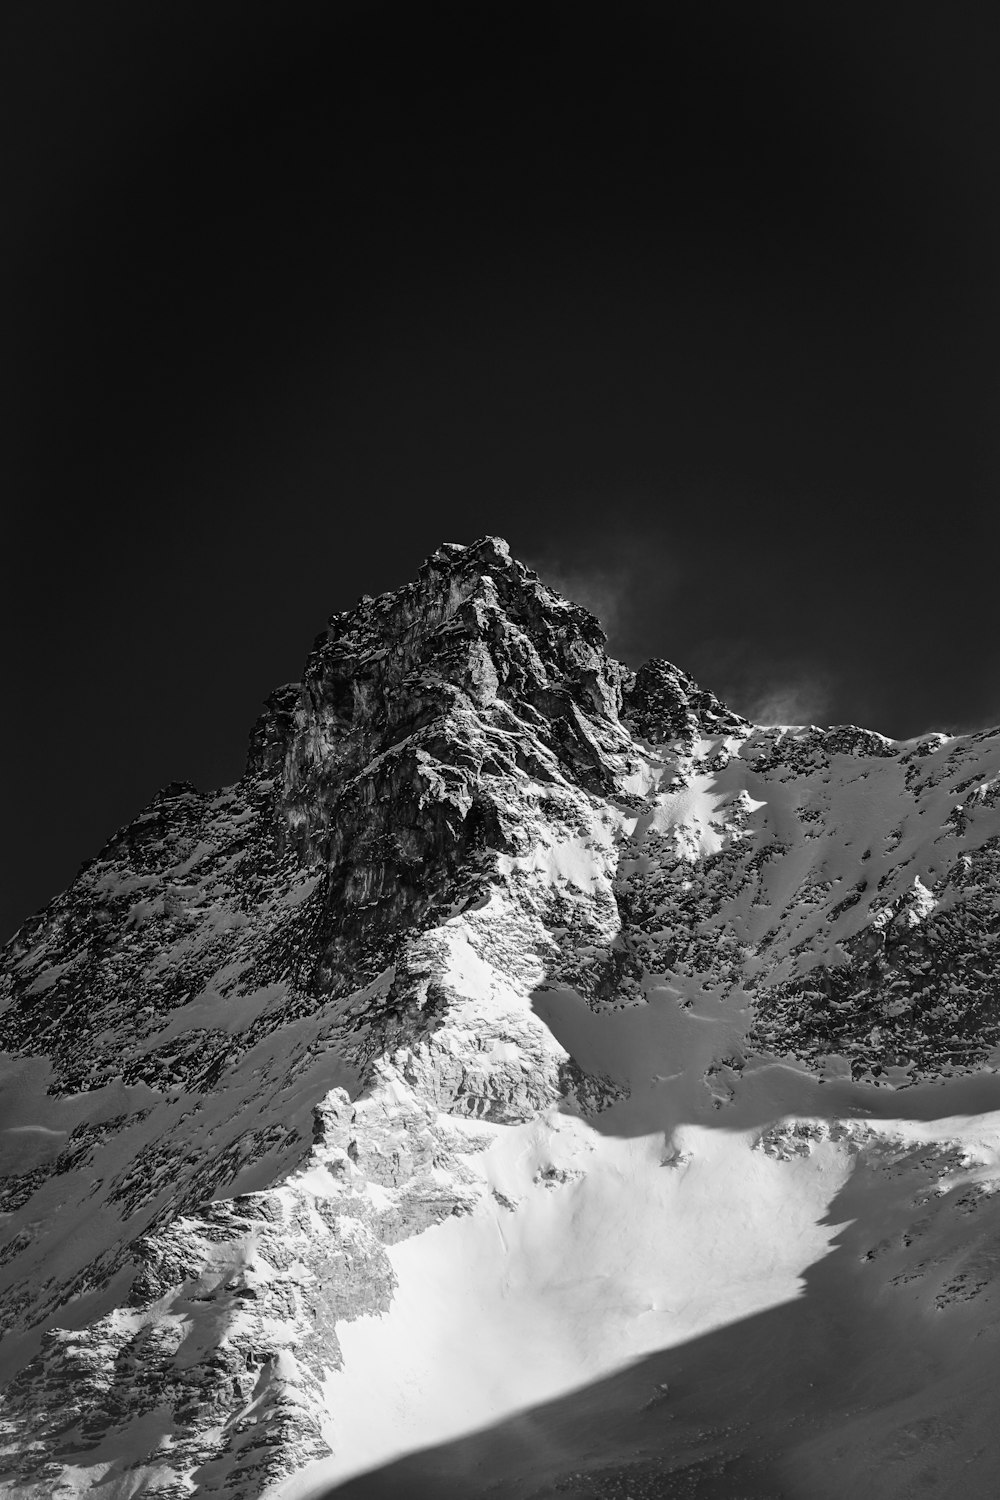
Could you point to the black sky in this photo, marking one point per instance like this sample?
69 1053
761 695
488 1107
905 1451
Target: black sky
699 306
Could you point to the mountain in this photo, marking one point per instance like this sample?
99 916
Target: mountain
529 1079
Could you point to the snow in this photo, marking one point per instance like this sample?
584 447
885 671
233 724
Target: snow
668 1225
690 815
580 1280
621 1230
580 862
667 1237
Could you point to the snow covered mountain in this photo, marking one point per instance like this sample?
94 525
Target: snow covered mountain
529 1079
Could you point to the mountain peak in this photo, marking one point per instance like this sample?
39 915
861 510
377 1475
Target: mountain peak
480 627
487 547
476 631
498 937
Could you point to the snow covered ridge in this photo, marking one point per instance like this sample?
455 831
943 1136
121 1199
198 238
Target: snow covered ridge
468 1017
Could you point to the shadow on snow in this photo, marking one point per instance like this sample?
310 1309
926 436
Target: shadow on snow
858 1387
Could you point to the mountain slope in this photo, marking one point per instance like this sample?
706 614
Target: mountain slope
513 1018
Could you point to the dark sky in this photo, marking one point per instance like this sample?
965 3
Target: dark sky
698 305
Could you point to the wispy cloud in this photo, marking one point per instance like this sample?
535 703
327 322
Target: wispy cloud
798 700
778 688
604 591
619 588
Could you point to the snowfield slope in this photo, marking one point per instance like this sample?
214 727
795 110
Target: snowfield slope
530 1079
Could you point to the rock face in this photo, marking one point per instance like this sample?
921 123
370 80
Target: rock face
272 1033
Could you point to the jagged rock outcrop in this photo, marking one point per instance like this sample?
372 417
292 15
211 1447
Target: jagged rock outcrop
272 1032
662 703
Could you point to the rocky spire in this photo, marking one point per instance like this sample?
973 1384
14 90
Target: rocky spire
410 705
476 629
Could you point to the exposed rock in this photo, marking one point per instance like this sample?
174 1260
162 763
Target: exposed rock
272 1032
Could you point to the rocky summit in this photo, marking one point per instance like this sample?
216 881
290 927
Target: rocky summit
530 1079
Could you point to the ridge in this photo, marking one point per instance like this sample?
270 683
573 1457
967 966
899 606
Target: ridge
486 908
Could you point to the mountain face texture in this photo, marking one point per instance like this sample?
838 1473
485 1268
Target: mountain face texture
529 1079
